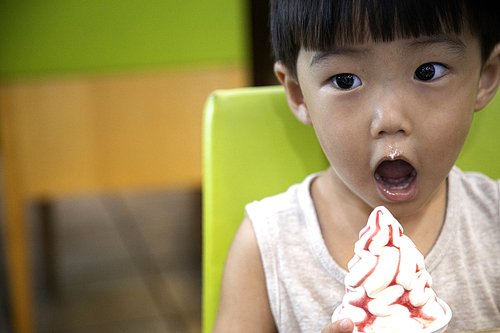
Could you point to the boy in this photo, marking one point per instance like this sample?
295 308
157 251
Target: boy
390 88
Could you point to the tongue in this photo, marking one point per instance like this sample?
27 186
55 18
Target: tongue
394 169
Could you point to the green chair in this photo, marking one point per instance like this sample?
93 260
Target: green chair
481 151
253 147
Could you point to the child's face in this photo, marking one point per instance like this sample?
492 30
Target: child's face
392 117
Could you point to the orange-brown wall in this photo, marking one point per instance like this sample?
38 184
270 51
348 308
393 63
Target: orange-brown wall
109 94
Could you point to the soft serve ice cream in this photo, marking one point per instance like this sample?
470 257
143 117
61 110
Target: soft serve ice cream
387 287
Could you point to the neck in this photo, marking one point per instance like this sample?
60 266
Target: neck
424 226
345 214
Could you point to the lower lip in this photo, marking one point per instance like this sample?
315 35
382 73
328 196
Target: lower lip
398 195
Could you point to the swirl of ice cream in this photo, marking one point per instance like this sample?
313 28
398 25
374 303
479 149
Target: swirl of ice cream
388 288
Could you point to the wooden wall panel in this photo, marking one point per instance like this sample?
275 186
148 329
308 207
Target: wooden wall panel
115 132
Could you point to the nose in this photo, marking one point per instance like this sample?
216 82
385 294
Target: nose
390 115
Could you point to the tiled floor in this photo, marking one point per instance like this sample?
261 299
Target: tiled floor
126 263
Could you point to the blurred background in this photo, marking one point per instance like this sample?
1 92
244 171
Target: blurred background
101 112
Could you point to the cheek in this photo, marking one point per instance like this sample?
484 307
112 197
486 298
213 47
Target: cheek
446 133
344 141
343 132
457 135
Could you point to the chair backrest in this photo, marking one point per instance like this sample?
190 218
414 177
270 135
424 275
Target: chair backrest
253 147
481 151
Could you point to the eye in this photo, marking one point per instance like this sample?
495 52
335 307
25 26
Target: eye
346 81
429 71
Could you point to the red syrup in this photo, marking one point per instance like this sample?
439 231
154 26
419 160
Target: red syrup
366 276
377 230
362 303
415 311
391 242
367 245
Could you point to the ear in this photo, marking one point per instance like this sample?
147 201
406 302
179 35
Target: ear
293 93
489 80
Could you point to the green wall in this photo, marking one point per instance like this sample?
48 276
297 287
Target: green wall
88 36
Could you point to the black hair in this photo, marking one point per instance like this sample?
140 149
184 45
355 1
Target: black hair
319 25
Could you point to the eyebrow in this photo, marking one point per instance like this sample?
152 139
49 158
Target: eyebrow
321 56
452 42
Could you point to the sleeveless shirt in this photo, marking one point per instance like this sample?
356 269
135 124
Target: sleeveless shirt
305 285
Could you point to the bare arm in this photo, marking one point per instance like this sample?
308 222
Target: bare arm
244 305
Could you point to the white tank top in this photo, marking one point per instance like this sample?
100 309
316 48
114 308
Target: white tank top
305 284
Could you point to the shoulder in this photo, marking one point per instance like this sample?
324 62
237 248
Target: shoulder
474 197
476 188
290 202
474 178
243 259
471 233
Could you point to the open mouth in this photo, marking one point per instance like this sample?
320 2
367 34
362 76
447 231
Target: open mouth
396 179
